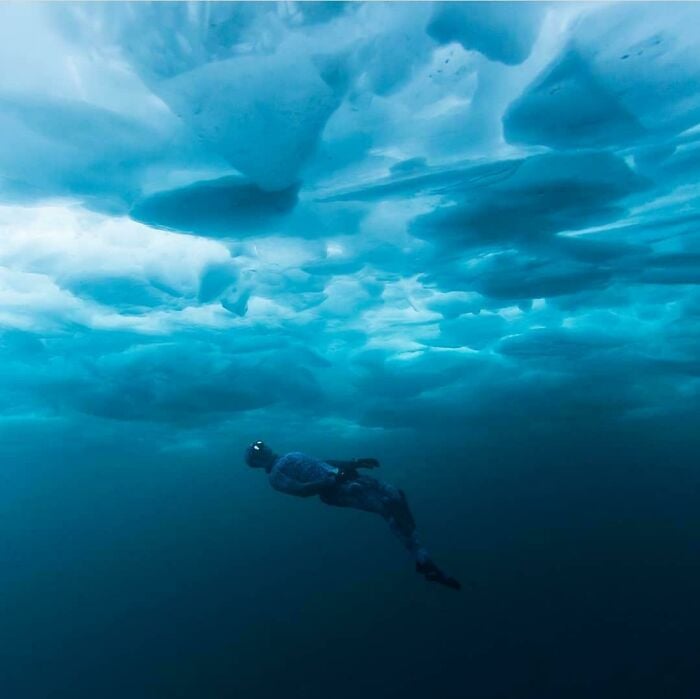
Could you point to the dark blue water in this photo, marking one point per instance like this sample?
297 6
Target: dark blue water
460 238
130 574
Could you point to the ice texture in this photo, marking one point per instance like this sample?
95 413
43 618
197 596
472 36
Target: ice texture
383 215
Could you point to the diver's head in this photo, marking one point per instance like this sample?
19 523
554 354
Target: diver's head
259 455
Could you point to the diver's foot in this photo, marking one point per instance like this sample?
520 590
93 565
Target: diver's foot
433 574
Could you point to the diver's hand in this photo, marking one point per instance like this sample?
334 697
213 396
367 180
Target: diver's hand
343 475
368 462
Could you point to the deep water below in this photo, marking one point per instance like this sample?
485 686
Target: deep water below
181 578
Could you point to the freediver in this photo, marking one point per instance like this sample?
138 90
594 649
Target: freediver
339 483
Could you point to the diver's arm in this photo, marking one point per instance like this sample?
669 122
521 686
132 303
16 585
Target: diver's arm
282 482
315 488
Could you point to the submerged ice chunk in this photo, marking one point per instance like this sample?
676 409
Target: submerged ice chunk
502 31
263 114
628 74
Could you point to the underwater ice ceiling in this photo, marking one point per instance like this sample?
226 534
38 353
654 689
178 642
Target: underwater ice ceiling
376 215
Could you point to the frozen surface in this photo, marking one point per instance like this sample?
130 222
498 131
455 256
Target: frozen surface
359 169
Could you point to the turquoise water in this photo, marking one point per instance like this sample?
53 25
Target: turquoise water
460 238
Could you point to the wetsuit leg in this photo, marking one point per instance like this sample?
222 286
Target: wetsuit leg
398 509
407 536
371 495
400 519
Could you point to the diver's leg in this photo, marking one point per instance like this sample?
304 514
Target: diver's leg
398 515
407 536
372 495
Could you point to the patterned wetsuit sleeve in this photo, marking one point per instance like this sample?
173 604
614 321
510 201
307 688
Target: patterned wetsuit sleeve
280 481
